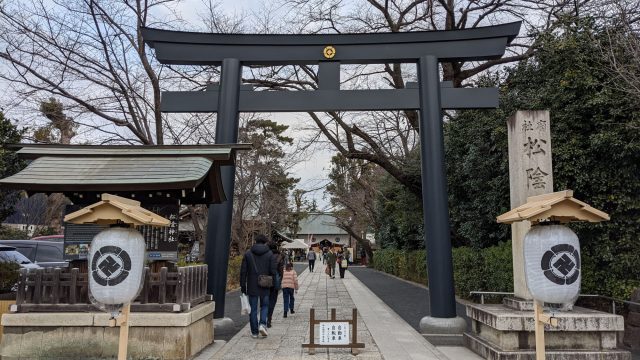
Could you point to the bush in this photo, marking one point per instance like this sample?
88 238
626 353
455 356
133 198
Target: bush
9 233
488 269
9 273
491 269
468 270
498 268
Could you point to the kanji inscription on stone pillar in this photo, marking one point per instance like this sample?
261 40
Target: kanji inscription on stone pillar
530 174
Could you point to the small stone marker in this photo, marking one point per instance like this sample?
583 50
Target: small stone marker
334 333
530 174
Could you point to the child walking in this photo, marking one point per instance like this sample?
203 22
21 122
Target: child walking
289 284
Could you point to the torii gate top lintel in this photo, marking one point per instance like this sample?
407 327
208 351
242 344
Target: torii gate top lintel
329 52
192 48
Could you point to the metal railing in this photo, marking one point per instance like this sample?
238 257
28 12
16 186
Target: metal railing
492 293
608 298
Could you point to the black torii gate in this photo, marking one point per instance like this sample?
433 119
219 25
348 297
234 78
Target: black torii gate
429 96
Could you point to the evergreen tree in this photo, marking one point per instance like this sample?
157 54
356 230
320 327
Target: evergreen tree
595 130
9 164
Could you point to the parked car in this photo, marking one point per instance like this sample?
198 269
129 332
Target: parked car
9 254
49 238
43 253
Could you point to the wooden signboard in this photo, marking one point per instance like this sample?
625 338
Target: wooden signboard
161 243
334 333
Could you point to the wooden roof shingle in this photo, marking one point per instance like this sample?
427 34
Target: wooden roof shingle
113 209
559 206
190 173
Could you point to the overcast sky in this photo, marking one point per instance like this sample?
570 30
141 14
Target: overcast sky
312 172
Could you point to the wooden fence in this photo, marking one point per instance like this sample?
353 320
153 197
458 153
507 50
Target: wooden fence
44 290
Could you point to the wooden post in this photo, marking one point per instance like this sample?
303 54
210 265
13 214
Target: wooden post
124 333
73 286
540 319
146 285
163 285
37 291
180 286
354 330
539 329
312 331
22 283
55 286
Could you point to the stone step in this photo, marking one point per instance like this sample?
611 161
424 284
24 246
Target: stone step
489 351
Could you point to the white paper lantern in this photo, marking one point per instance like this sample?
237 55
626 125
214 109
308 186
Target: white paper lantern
116 263
552 263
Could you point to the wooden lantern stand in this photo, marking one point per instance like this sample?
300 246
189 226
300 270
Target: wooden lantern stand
112 210
560 207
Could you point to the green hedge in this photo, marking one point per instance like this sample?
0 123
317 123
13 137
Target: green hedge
488 269
491 269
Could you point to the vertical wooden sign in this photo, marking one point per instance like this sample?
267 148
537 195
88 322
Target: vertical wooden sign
530 174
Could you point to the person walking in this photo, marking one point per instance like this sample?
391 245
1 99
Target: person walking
342 263
277 281
311 256
331 263
363 257
289 285
257 264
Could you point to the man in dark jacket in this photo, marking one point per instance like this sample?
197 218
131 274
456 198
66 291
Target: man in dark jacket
273 295
259 260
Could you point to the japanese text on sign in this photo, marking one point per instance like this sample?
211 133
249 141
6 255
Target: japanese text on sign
535 145
334 333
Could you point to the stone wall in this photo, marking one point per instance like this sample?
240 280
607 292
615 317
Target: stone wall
88 336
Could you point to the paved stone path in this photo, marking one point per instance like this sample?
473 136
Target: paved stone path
287 335
407 299
232 310
384 333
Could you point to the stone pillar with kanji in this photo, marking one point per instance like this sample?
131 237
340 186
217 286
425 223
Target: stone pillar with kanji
530 174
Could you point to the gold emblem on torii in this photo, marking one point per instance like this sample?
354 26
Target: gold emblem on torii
329 52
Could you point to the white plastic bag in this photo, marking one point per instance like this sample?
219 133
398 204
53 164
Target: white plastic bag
244 304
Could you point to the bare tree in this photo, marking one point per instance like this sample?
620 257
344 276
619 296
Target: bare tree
353 192
263 184
387 138
61 129
91 54
620 47
31 212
